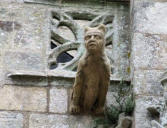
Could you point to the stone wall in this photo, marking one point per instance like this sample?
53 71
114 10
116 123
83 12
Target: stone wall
149 55
33 99
30 95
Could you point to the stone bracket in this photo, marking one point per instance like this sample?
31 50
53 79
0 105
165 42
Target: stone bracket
52 78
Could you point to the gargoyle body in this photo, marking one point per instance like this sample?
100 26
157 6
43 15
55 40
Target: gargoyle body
93 75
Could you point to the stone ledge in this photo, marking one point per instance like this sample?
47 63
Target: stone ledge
53 78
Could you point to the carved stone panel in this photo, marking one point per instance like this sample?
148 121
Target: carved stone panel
67 45
61 44
59 34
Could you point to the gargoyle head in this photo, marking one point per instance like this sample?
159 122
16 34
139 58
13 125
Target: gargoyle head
94 38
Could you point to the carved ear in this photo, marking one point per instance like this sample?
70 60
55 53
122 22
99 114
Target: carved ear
102 28
86 29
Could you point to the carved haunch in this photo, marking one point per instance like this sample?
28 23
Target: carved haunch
93 75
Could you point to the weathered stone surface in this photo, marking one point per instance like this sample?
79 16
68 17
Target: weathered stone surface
24 99
120 47
61 78
24 61
148 82
60 82
26 78
58 100
47 2
148 58
164 83
142 117
32 30
154 112
155 124
2 77
12 1
150 17
149 51
124 121
11 120
59 121
32 37
163 119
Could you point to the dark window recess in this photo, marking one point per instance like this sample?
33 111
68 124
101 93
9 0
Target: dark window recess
75 69
53 66
52 45
64 57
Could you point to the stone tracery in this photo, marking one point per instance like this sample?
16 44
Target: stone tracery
68 19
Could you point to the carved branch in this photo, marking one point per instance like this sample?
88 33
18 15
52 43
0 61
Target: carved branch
54 42
57 37
74 62
60 15
82 15
110 56
60 49
109 37
54 22
66 19
102 19
72 25
107 19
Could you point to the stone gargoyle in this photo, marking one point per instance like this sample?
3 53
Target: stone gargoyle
93 75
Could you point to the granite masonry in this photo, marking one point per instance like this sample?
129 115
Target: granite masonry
35 93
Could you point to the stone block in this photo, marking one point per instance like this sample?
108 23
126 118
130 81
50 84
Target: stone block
150 17
147 82
4 39
1 60
141 115
23 98
32 61
2 77
58 100
59 121
26 78
12 1
61 81
4 11
33 30
11 120
149 51
41 2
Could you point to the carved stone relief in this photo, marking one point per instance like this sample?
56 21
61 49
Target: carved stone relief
93 74
61 44
66 46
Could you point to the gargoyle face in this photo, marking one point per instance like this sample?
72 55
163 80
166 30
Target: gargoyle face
94 38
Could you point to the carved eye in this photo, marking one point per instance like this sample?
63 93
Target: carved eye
87 37
97 37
